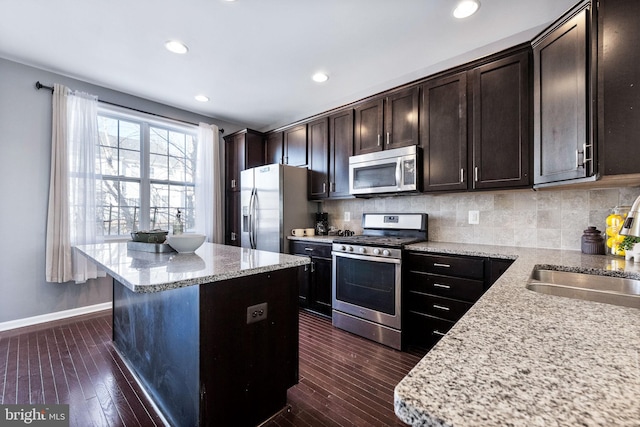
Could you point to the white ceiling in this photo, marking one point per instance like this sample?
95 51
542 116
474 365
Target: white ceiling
255 58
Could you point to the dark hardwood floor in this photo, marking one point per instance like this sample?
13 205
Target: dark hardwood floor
345 380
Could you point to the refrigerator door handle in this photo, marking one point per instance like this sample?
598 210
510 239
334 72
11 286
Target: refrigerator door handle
252 222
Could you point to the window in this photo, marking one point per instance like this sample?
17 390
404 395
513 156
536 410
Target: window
148 172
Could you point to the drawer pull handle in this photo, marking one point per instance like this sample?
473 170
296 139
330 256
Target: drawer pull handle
437 264
308 249
439 333
441 307
440 285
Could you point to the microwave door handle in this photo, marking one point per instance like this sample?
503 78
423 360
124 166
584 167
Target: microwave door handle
399 173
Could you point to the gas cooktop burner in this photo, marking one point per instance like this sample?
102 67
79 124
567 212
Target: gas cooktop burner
388 231
382 241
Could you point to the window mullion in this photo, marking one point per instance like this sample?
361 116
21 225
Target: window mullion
145 190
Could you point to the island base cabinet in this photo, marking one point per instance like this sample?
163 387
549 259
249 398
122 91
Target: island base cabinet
200 354
246 369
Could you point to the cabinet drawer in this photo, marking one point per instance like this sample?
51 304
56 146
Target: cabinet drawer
301 247
423 330
445 286
472 268
446 308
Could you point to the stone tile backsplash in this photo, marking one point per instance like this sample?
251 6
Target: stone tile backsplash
552 219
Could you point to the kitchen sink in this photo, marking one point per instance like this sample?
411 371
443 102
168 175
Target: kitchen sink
590 287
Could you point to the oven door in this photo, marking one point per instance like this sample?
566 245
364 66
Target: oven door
367 287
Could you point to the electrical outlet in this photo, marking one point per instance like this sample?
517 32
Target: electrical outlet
256 313
474 217
347 216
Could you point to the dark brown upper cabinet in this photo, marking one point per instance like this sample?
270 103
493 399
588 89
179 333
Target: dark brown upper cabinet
295 145
274 147
401 118
318 142
500 117
563 139
243 150
444 133
474 125
387 122
618 97
340 149
369 126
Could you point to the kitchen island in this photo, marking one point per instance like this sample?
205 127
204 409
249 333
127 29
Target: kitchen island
522 358
212 336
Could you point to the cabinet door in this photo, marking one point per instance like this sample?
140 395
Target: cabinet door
561 125
401 118
340 149
232 219
444 133
274 148
321 286
318 158
234 161
253 149
368 127
619 56
295 146
501 123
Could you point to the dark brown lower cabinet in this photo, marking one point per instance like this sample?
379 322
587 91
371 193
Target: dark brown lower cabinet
232 219
317 295
438 291
198 356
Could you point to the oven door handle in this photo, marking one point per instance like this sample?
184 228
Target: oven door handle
366 258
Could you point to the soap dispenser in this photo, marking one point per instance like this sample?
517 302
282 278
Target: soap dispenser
178 226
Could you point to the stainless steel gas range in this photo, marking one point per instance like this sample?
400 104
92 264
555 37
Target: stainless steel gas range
367 279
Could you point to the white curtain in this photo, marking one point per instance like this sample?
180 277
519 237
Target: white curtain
209 216
72 217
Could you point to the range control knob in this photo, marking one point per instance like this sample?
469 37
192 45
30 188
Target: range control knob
343 248
386 252
376 251
349 248
363 251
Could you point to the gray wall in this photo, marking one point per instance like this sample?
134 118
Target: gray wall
25 146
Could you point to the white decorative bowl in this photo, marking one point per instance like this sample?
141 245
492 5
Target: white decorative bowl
185 243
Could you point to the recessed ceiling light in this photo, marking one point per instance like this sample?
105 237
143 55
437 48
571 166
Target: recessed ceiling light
466 8
202 98
176 47
320 77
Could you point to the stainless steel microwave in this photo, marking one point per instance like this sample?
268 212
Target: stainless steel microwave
389 171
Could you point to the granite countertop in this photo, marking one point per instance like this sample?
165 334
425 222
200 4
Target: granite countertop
521 358
154 272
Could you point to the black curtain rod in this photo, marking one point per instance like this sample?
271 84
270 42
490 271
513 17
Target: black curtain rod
41 86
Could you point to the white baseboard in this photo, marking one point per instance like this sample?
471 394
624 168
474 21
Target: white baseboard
29 321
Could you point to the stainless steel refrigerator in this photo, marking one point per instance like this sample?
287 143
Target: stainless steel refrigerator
273 201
